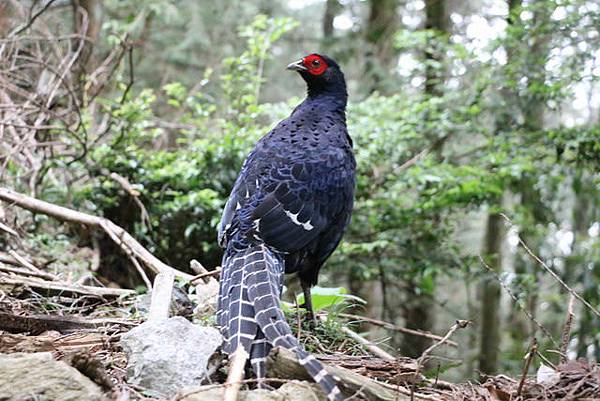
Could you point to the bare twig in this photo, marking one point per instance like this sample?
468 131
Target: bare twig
135 195
552 273
31 19
394 327
27 264
142 272
459 324
118 234
529 357
374 349
517 301
237 363
27 272
8 230
206 274
566 333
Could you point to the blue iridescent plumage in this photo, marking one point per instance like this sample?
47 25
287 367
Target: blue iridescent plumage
287 213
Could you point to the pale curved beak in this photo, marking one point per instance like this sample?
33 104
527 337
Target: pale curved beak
297 66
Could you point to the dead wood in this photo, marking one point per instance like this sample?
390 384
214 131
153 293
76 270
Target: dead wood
57 288
26 272
283 364
162 292
121 237
401 370
52 341
36 324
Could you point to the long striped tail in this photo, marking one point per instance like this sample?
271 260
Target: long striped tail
249 313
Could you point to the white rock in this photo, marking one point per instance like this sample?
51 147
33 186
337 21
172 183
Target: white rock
167 355
547 376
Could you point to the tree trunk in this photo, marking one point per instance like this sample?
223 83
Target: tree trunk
490 297
531 203
419 308
436 20
332 7
88 18
381 27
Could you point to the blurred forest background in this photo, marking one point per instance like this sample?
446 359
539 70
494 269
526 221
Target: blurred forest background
476 127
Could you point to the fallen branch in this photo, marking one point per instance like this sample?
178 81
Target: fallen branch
393 327
51 341
36 324
26 272
8 230
459 324
25 263
116 233
402 370
55 287
283 364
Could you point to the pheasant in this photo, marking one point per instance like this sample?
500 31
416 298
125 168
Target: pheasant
287 212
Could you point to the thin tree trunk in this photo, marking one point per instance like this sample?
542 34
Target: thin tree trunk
437 20
332 8
419 310
490 297
381 27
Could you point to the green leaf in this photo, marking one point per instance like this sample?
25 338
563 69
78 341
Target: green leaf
328 297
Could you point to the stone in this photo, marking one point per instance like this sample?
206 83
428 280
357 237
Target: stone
165 356
39 376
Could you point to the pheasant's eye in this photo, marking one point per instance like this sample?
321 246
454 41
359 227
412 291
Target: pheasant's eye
315 64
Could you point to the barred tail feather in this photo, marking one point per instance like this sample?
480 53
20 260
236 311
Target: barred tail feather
265 281
236 312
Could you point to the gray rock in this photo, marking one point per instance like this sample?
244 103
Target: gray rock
167 355
39 376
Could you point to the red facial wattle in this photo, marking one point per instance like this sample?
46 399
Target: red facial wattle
315 64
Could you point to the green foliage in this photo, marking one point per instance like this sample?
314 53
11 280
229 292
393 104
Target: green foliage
334 298
183 188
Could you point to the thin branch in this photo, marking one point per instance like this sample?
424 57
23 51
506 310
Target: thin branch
374 349
459 324
530 355
517 301
552 273
31 20
394 327
204 275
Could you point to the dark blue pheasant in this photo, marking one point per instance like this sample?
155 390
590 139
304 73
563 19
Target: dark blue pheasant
286 214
